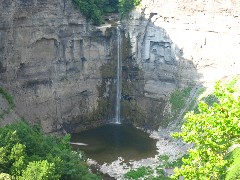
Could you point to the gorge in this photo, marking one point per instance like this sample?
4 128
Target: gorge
61 70
69 76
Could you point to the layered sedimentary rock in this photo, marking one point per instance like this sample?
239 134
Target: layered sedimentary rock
50 59
61 70
181 43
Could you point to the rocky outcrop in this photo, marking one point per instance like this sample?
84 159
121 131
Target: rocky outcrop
181 43
51 60
61 70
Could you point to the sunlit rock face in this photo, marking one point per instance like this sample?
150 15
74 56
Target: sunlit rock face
180 43
50 59
197 40
61 69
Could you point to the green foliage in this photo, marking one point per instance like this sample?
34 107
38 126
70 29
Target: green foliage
160 175
194 100
163 158
233 82
95 9
90 10
178 100
40 170
125 6
212 132
172 164
209 100
8 97
147 172
10 101
26 153
138 173
179 97
233 171
4 176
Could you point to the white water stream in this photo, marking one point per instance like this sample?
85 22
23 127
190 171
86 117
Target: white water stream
119 77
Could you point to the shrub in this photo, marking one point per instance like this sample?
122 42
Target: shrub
138 173
233 171
40 170
212 132
178 98
26 152
8 97
95 9
10 101
125 6
4 176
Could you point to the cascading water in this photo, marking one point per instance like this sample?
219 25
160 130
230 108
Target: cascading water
119 77
107 143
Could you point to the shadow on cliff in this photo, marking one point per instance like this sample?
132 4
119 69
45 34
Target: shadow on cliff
154 69
53 69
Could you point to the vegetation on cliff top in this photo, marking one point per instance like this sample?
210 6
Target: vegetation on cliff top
95 9
26 153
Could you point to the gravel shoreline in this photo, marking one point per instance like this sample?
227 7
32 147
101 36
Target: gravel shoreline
166 145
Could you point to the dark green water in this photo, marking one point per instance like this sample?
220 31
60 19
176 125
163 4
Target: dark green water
107 143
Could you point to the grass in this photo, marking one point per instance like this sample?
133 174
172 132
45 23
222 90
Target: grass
178 98
8 97
194 100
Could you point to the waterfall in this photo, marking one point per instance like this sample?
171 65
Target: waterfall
119 77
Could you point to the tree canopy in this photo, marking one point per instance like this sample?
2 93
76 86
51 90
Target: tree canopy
27 154
212 132
95 9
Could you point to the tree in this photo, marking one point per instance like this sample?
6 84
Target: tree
26 153
40 170
125 6
95 9
4 176
12 153
211 132
233 171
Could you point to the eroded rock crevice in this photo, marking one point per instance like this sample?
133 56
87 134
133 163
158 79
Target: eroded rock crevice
181 44
61 70
50 60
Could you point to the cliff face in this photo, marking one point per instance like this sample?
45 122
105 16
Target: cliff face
181 43
61 70
50 60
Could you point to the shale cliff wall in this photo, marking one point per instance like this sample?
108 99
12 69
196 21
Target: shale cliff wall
181 43
50 61
61 70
